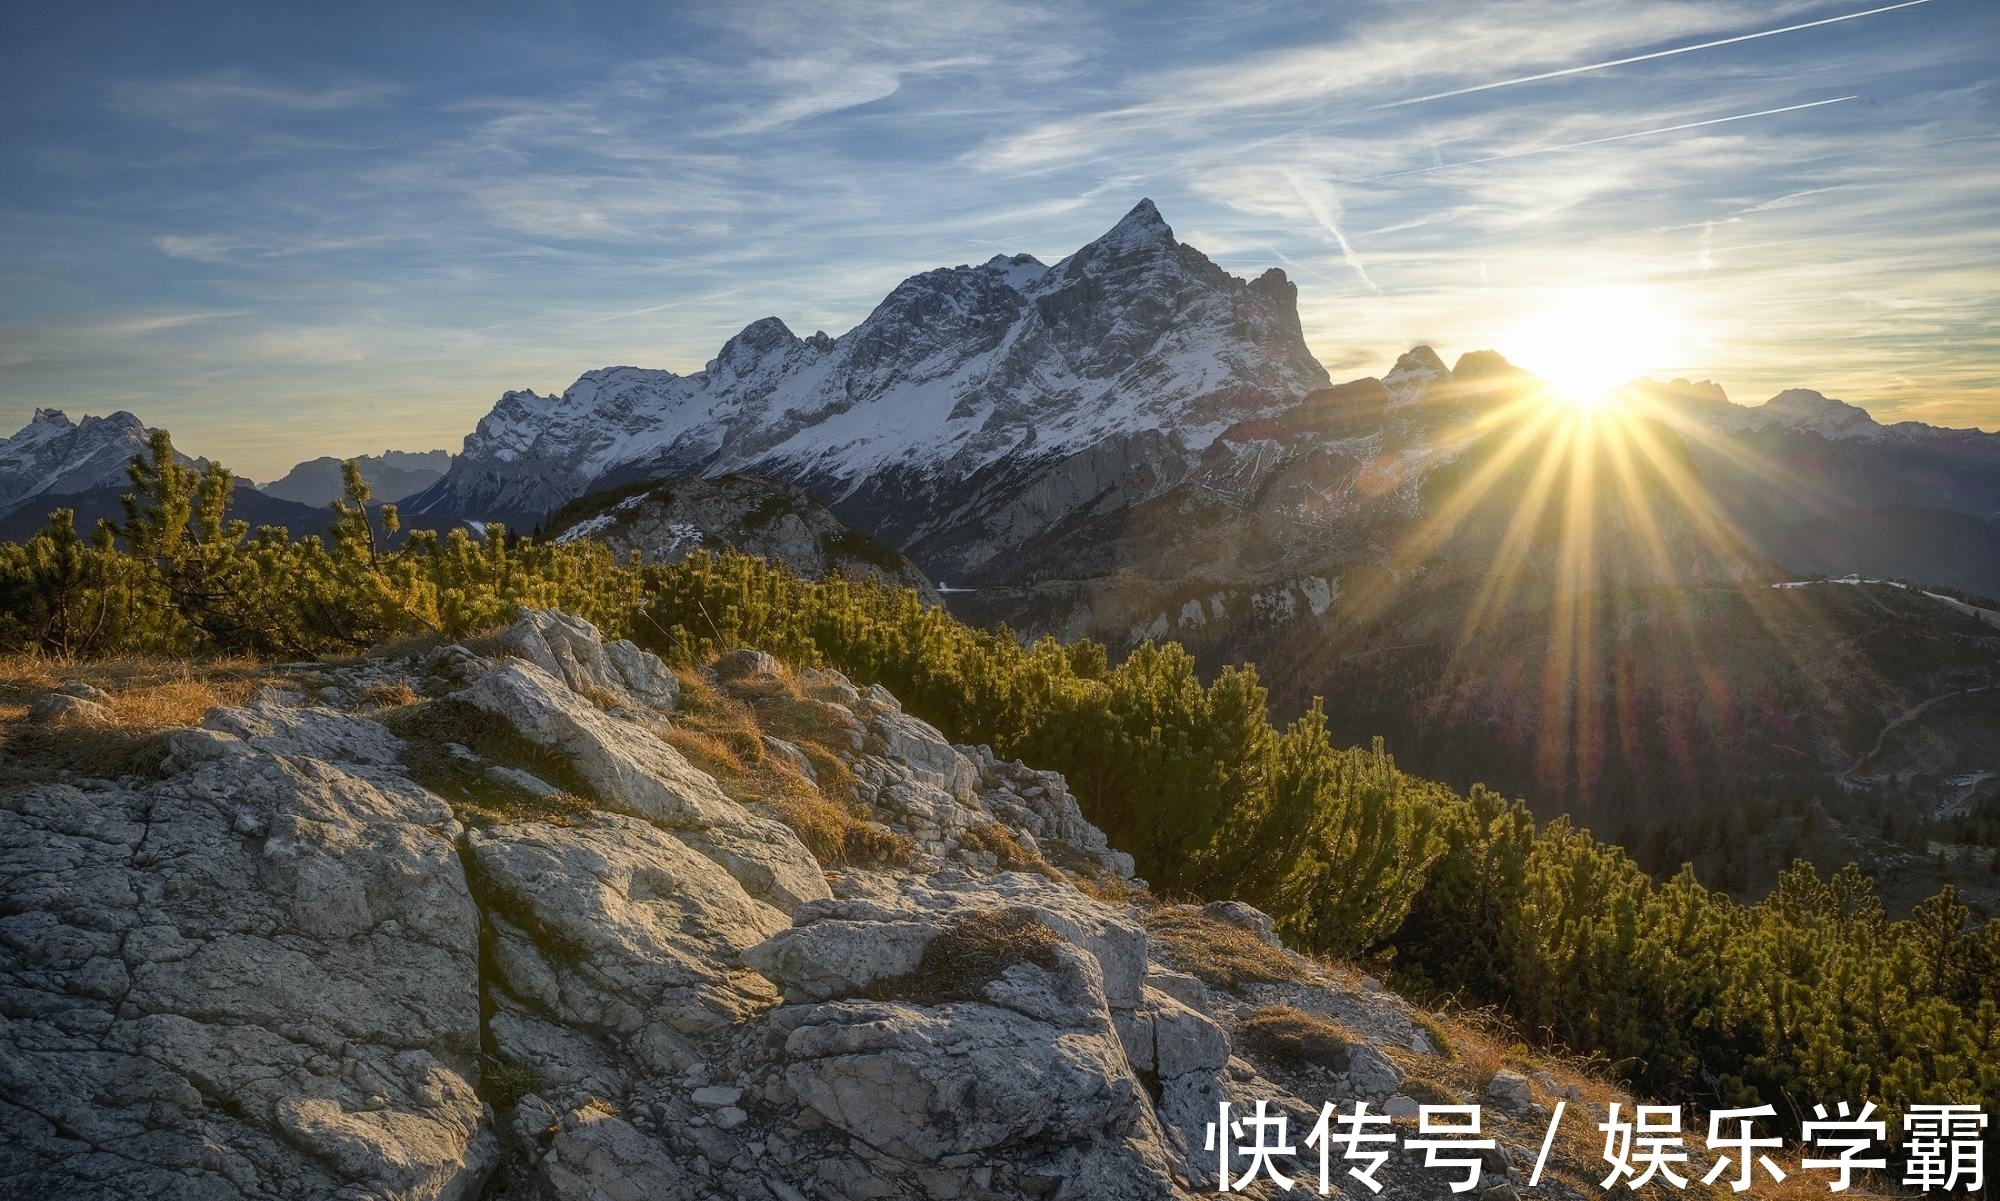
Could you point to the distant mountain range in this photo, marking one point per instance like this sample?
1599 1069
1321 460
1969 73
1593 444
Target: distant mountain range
54 456
391 475
54 462
1008 424
975 409
1003 424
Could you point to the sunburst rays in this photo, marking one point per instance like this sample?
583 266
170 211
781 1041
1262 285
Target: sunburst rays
1584 539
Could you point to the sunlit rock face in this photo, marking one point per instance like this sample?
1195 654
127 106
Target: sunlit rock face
309 956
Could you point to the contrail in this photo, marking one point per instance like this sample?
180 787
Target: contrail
1640 58
1323 211
1617 137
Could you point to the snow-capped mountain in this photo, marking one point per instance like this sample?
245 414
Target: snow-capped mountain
391 475
54 456
1703 406
973 409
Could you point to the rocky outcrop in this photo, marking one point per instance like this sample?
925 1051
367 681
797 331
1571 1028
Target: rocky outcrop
315 954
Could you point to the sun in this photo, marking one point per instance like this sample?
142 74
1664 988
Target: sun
1588 342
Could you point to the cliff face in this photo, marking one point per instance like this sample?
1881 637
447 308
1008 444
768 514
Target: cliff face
471 923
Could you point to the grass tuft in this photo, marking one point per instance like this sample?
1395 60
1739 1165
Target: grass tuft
971 953
1219 953
430 727
1289 1036
1001 843
721 728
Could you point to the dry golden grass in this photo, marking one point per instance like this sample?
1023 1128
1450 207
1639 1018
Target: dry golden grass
147 698
998 841
390 696
1221 954
1283 1034
722 730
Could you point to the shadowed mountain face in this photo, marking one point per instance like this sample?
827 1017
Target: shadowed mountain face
664 521
391 475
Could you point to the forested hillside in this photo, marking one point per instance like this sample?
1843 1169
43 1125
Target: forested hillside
1810 995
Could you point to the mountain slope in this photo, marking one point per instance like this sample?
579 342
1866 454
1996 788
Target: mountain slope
1817 485
516 945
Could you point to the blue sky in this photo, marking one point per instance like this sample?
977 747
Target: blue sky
284 230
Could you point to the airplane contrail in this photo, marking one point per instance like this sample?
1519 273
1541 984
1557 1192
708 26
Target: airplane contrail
1640 58
1617 137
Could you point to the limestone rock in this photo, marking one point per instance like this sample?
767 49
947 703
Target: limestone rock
257 977
62 706
285 970
922 1084
1511 1090
84 691
572 650
632 771
1249 917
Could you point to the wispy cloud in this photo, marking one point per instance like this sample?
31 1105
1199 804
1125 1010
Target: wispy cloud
1607 139
1319 199
207 102
153 323
208 248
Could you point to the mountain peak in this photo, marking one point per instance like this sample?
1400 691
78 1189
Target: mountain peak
1803 408
1415 370
756 340
1420 358
49 417
1482 364
1142 226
